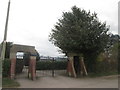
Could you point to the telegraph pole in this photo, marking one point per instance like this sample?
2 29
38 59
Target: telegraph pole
3 49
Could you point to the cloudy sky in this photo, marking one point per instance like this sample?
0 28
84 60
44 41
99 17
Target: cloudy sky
31 21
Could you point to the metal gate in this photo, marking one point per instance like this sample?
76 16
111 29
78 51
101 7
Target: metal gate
50 70
50 73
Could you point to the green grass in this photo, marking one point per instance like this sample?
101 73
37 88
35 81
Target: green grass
7 83
102 74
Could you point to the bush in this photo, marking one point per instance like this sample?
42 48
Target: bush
105 66
60 65
19 66
90 62
119 58
49 65
6 68
44 65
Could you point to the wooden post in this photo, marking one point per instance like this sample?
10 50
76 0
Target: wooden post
69 67
72 66
53 71
83 66
29 69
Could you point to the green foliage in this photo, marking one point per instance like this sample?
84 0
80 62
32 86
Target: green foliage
19 66
106 67
37 57
114 53
91 61
100 57
119 57
102 74
6 68
7 52
44 65
60 65
49 65
79 32
7 83
108 63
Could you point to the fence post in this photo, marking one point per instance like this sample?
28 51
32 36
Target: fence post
53 72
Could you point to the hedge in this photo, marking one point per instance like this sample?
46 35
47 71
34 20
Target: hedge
6 68
49 65
19 66
105 66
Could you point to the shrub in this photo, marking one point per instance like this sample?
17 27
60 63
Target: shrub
119 58
19 66
49 65
60 65
43 65
106 67
6 68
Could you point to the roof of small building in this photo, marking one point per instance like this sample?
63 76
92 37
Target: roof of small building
22 48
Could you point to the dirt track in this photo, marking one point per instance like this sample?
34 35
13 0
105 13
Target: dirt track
68 82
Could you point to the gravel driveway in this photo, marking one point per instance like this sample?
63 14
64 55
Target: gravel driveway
67 82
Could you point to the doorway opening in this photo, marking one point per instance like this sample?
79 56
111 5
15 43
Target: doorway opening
77 65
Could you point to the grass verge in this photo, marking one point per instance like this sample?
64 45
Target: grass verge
102 74
7 83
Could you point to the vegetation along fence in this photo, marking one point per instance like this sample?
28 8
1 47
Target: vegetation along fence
51 67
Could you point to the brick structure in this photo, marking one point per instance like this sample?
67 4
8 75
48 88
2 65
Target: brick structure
32 62
32 68
12 68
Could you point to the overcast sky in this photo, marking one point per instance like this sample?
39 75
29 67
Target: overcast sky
31 21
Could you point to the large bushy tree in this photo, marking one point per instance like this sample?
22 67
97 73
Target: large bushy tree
79 31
